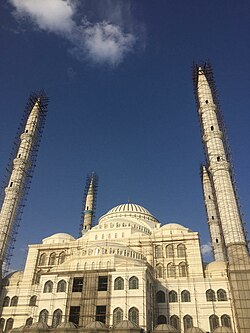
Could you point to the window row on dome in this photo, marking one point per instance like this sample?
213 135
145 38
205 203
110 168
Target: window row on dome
51 259
56 317
173 271
161 296
211 296
10 302
170 251
125 225
6 327
48 286
110 250
133 283
133 315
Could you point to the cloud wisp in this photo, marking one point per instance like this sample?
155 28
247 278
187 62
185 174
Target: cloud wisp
206 249
101 42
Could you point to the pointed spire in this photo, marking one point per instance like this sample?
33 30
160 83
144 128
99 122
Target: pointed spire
21 172
204 91
219 167
89 203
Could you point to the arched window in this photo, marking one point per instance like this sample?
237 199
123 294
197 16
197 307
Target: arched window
61 286
33 300
226 321
182 269
57 318
171 270
2 322
9 325
133 315
43 259
158 251
214 322
173 296
133 283
210 295
61 258
160 297
221 295
37 277
185 296
52 259
170 251
187 322
119 283
161 320
6 301
181 251
29 322
175 322
159 271
117 316
48 287
43 316
14 301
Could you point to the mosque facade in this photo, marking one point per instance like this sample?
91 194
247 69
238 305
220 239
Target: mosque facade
130 273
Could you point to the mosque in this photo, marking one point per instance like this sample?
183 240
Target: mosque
130 273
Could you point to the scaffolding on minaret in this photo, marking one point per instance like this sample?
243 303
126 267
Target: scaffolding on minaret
89 203
19 173
220 194
208 71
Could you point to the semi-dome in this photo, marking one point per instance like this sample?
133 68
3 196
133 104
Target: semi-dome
195 330
96 325
39 325
126 324
129 210
166 328
58 238
223 329
66 325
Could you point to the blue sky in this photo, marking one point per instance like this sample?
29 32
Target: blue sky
118 75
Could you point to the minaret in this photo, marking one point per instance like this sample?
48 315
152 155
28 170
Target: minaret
219 168
22 168
219 171
217 240
89 203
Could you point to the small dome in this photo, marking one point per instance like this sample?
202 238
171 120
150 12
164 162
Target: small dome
39 325
58 238
173 226
195 330
223 329
13 278
165 328
126 324
96 325
66 325
216 266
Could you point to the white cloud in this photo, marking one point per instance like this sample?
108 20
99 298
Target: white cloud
50 15
101 42
206 249
105 42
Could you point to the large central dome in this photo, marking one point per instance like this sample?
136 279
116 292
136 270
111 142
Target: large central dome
129 207
129 210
